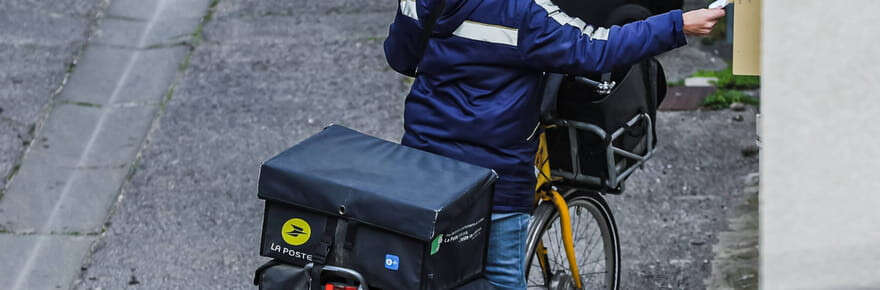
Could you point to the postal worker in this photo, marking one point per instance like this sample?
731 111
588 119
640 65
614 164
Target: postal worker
478 84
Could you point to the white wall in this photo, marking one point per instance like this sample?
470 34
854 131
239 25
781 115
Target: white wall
820 161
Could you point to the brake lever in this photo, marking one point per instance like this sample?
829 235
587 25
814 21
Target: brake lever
602 88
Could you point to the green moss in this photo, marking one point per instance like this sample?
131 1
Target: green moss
277 13
721 99
408 81
70 67
375 38
185 63
197 34
212 8
76 233
12 172
82 104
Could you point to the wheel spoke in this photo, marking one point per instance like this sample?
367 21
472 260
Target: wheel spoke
591 246
586 245
594 273
559 253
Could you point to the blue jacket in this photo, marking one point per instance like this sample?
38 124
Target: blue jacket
476 95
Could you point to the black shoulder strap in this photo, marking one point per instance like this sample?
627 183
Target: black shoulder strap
552 83
315 275
428 28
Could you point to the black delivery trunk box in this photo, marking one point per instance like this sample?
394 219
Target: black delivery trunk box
404 218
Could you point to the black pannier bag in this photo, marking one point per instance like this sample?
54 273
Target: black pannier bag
629 110
275 275
403 218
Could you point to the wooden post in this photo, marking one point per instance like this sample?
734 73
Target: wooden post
747 37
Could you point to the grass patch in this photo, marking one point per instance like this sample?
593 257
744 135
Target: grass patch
729 86
721 99
679 83
727 80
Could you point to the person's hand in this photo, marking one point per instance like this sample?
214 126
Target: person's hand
700 22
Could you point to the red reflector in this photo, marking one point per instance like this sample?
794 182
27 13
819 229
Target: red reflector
336 286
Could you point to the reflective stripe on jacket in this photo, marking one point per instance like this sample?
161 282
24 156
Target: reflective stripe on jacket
477 92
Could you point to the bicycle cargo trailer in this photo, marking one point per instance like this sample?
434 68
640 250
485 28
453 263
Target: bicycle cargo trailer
404 218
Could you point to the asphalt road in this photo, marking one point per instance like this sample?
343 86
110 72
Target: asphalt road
672 211
265 75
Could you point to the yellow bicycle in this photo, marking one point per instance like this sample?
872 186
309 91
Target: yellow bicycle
572 240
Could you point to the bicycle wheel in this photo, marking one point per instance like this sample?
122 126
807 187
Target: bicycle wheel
595 240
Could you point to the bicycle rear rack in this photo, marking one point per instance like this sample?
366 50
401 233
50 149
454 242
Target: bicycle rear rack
341 271
617 171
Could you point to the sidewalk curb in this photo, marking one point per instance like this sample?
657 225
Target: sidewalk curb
735 265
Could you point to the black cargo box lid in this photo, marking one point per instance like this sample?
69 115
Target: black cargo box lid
381 183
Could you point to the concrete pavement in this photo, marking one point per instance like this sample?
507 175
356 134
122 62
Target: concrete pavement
68 180
40 42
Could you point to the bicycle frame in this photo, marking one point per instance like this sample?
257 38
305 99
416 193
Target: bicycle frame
544 191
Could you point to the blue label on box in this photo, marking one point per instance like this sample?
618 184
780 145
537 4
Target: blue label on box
392 262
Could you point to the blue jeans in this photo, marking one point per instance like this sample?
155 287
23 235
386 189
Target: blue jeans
505 267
